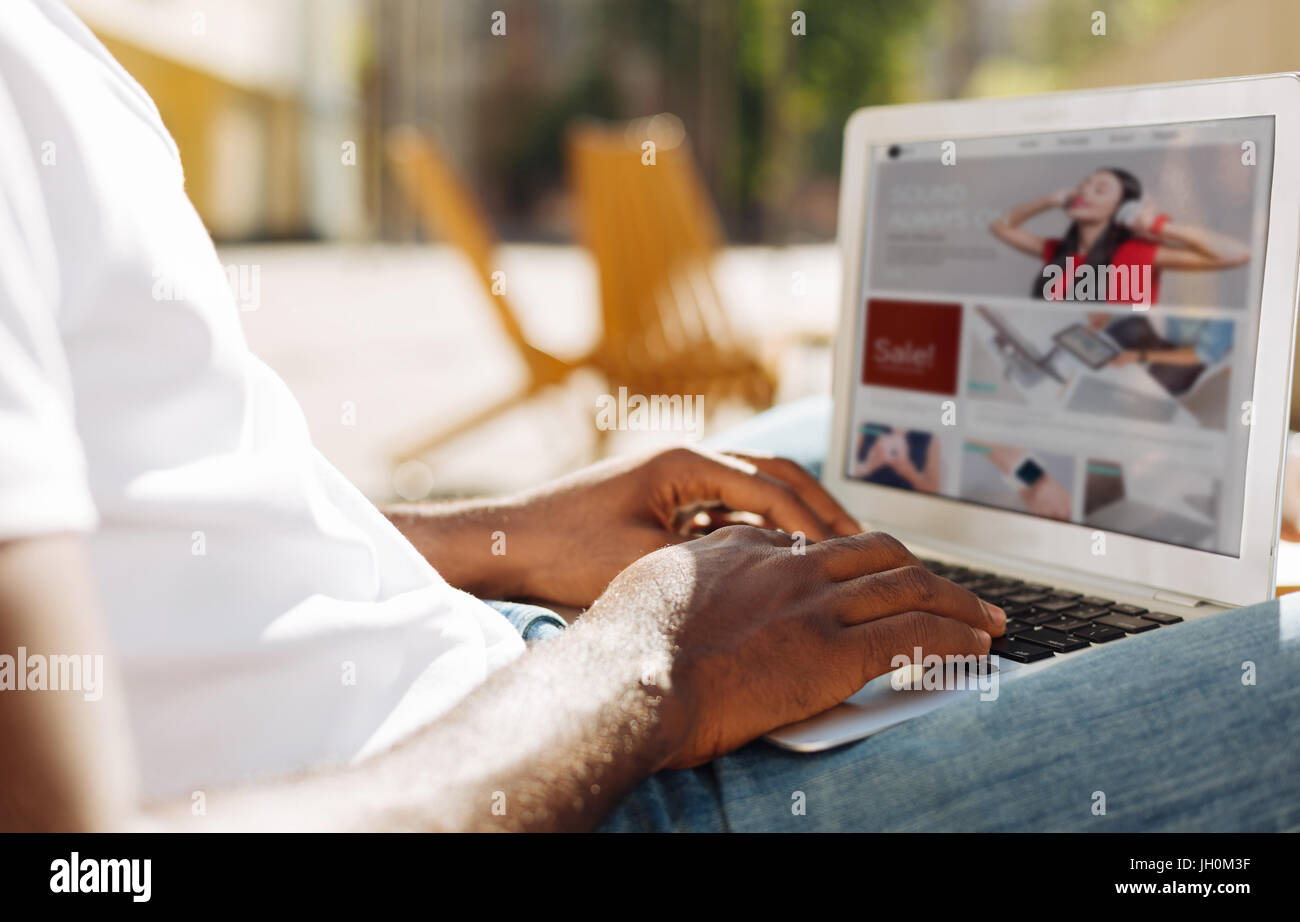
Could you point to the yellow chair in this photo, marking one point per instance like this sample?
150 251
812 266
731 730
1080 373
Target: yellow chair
653 234
646 218
445 208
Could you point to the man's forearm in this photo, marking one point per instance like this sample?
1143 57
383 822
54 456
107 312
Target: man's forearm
468 543
548 743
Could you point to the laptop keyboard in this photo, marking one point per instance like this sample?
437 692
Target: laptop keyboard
1043 621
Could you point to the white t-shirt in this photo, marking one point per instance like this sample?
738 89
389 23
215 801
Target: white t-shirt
265 615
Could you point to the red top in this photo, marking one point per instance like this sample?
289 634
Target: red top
1131 255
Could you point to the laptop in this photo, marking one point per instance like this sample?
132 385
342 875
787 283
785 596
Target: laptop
952 208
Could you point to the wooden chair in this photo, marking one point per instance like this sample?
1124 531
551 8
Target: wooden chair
653 234
446 209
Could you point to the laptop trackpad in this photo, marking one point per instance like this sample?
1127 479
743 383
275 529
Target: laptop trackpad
892 699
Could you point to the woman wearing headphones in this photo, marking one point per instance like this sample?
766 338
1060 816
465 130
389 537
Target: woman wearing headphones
1113 224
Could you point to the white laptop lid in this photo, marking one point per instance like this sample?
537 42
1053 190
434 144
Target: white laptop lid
1128 425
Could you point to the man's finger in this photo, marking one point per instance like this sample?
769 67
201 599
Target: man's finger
741 486
808 488
893 592
875 644
710 520
859 555
751 534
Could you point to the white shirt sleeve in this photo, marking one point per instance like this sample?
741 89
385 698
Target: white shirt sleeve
43 485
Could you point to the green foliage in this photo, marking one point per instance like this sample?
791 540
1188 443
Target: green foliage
854 54
763 106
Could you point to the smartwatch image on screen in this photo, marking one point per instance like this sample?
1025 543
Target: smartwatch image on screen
1026 473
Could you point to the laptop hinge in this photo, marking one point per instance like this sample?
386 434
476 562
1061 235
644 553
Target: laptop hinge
1164 595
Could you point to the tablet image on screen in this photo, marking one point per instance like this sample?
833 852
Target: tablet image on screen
1085 345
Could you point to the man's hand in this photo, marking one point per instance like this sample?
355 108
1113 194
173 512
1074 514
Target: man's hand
585 529
693 651
565 541
741 633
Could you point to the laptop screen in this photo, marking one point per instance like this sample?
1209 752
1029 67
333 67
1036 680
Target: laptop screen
1064 325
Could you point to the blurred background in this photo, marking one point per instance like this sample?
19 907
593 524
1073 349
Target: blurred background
447 233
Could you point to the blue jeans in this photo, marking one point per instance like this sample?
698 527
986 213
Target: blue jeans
1187 728
533 622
